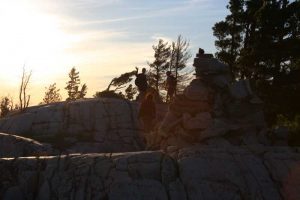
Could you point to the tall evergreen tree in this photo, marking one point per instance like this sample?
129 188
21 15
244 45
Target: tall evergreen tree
229 35
260 40
179 57
74 92
160 65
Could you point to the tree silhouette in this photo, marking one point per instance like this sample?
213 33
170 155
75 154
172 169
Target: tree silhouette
108 94
119 82
52 94
24 99
160 65
229 34
130 92
5 106
260 40
179 57
82 92
73 86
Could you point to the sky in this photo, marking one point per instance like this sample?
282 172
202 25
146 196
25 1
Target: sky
101 38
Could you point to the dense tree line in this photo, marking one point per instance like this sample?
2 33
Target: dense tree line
260 40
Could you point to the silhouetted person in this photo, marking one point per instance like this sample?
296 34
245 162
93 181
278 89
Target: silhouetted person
147 113
170 85
141 82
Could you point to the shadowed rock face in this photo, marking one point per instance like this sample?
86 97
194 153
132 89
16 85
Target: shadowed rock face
201 172
95 125
16 146
213 171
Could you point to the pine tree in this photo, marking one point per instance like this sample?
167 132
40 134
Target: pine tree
260 40
52 94
229 35
74 92
82 92
160 65
120 81
179 58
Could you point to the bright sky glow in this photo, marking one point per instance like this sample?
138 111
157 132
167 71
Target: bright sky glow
101 38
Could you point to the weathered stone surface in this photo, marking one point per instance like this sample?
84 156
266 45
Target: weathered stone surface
230 173
91 125
200 121
199 172
16 146
212 107
198 91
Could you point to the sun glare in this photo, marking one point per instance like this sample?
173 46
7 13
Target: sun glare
28 37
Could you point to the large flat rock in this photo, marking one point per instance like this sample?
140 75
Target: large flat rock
201 172
91 125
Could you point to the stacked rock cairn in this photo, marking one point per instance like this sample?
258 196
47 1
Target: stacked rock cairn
213 109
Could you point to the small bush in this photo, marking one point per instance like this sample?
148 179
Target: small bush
109 94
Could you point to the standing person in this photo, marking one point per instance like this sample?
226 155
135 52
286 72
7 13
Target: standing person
147 113
170 85
141 82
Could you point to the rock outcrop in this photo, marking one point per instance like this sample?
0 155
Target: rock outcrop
212 140
201 172
92 125
16 146
211 108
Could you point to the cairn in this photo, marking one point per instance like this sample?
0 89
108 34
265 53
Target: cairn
213 109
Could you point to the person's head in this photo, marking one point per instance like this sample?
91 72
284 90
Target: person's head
144 70
168 73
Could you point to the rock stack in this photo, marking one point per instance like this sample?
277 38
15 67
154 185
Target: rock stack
213 105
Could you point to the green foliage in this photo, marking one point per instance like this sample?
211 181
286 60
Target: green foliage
109 94
52 94
73 86
294 128
260 40
293 125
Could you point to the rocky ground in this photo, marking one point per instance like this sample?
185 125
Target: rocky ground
110 161
200 172
86 126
